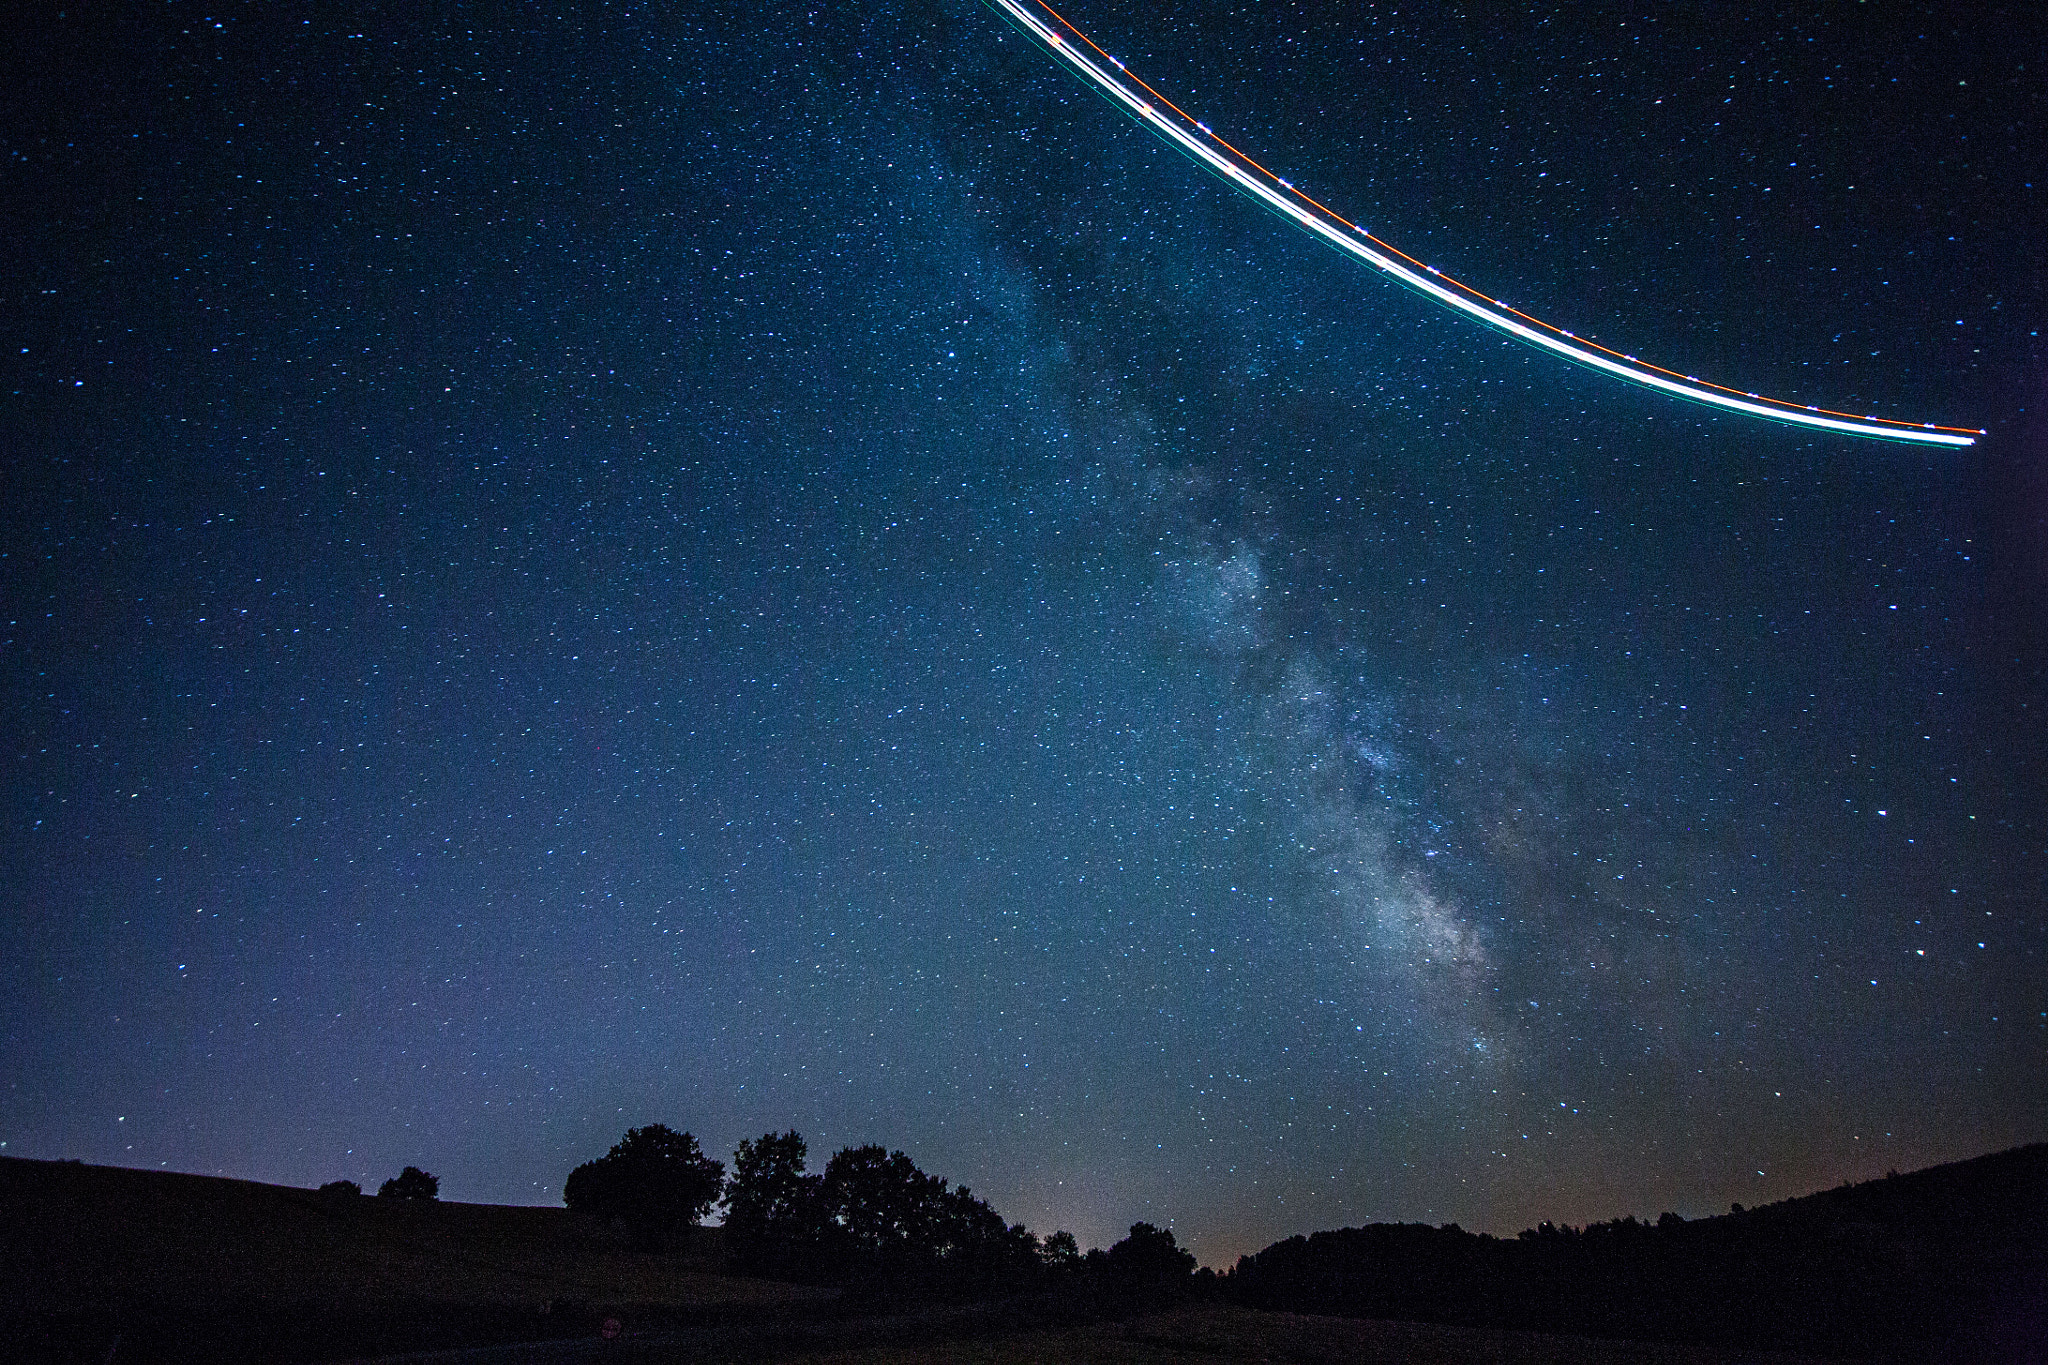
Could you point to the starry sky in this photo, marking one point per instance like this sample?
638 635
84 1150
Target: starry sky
572 566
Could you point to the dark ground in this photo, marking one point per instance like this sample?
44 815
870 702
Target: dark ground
1949 1254
105 1263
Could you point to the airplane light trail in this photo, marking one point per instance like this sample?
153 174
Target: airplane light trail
1196 139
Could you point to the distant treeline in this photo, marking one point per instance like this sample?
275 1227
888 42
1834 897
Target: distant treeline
869 1211
1856 1270
1849 1271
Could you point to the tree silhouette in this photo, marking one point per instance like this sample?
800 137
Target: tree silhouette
1060 1252
654 1180
772 1210
870 1209
411 1183
971 1235
882 1206
1148 1257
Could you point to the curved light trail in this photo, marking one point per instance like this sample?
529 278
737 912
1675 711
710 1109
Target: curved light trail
1042 23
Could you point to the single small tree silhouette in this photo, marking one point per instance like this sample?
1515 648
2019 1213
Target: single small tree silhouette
341 1191
411 1183
1060 1251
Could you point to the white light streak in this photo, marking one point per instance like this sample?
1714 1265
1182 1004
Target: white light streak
1278 195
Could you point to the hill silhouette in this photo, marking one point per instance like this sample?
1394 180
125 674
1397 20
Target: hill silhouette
1946 1264
1955 1253
203 1267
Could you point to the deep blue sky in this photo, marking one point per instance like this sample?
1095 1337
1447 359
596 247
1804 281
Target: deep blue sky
572 567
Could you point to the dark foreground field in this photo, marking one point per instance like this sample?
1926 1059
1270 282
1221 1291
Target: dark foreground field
1215 1334
196 1267
107 1264
1923 1263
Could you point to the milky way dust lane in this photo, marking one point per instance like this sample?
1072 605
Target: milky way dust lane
1162 116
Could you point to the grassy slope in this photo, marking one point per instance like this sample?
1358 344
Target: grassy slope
86 1251
1936 1256
198 1267
1215 1334
1220 1335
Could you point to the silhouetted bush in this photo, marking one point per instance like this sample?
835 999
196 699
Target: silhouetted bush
341 1191
411 1183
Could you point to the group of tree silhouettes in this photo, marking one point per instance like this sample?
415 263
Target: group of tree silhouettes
870 1209
410 1183
1852 1269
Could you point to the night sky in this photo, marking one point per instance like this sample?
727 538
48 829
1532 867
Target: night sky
738 566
